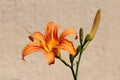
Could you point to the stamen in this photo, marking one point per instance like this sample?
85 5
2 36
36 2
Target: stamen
26 30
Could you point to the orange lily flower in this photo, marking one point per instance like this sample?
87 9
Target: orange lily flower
50 44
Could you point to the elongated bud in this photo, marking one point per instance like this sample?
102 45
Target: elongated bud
81 35
95 24
90 36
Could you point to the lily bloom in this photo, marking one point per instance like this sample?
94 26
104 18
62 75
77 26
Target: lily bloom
49 43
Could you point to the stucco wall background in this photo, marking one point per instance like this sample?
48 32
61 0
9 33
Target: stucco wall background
101 59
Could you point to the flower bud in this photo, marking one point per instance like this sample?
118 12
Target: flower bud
87 38
95 24
86 41
81 35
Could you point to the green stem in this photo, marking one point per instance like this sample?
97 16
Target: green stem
73 73
70 66
79 50
78 62
65 62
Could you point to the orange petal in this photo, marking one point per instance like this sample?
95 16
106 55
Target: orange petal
51 35
55 32
36 36
68 46
50 57
32 47
39 37
68 32
56 51
51 31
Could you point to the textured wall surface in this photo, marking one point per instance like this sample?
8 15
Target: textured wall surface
101 59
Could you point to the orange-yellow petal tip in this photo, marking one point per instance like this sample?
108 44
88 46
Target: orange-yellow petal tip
50 57
49 22
73 53
50 63
23 59
76 37
30 38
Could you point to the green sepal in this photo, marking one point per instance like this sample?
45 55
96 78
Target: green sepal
86 41
87 38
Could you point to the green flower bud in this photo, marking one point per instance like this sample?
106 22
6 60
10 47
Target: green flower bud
87 38
95 24
86 41
81 35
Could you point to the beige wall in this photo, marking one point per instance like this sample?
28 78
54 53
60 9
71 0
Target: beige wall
101 59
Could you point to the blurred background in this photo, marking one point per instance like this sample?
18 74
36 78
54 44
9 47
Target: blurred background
101 59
